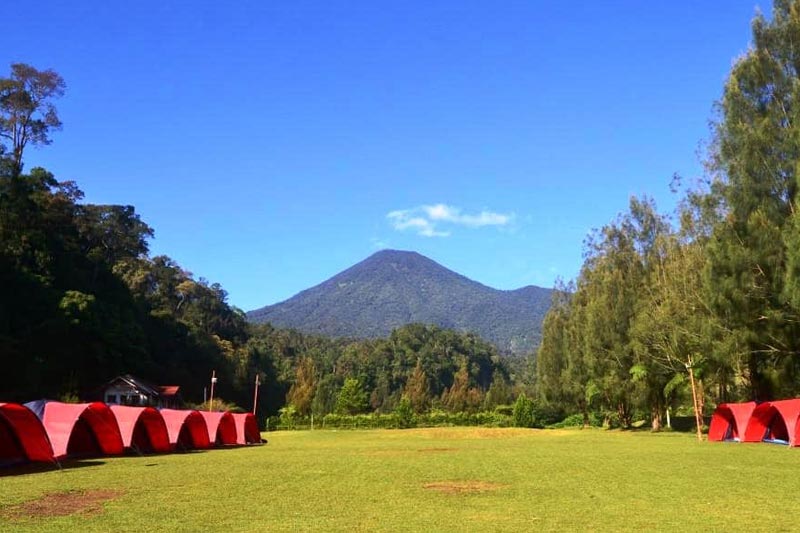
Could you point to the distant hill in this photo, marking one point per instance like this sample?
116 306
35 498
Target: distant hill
393 288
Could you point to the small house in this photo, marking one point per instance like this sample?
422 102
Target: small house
130 390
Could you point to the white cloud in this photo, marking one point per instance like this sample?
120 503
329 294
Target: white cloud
427 219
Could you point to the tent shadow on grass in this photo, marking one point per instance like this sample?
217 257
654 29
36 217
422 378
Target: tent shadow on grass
35 468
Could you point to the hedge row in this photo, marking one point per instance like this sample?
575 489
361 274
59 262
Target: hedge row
391 421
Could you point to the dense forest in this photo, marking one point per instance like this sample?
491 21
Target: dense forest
702 307
83 302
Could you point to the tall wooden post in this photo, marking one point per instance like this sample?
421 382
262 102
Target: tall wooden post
213 382
698 415
255 395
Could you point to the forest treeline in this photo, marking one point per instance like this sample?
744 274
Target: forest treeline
703 306
83 301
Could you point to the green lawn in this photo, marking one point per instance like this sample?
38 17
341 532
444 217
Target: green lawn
448 479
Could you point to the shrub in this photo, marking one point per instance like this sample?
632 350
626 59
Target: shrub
287 416
404 414
576 421
523 414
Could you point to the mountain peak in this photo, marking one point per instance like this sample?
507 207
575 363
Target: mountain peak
392 288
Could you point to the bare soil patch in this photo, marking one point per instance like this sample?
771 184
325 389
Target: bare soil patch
463 487
89 502
437 450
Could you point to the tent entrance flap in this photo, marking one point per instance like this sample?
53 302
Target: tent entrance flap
82 441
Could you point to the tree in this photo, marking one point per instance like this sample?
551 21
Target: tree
325 396
301 394
352 399
27 114
112 233
499 392
751 277
523 414
417 389
553 353
404 413
674 328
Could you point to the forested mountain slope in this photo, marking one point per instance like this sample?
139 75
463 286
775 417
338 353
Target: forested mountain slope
393 288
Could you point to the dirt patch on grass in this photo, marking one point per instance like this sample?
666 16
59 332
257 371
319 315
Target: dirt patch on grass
478 433
437 450
89 503
396 453
463 487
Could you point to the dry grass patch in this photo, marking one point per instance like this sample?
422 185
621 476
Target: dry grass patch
463 487
478 433
67 503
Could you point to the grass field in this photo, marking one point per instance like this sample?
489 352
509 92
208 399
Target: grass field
447 479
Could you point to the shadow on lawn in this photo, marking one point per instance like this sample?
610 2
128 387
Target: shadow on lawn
34 468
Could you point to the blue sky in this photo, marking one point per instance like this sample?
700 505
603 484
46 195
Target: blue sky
272 144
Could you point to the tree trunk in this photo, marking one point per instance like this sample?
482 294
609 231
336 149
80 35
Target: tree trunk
655 418
698 412
585 412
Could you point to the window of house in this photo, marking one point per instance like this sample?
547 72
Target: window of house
111 398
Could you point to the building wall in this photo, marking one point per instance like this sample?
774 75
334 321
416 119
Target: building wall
121 394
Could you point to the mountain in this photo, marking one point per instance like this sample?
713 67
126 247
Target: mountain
393 288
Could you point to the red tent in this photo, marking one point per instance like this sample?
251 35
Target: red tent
22 436
143 429
246 428
775 422
187 429
221 427
730 420
79 428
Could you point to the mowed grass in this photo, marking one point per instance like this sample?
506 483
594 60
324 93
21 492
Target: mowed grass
444 479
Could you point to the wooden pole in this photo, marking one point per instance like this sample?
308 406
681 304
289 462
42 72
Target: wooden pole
255 395
698 415
213 382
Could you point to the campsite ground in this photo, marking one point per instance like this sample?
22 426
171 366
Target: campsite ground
444 479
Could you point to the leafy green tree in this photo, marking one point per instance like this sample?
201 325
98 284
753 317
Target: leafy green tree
554 350
499 392
523 413
352 398
750 281
674 328
404 413
27 113
325 396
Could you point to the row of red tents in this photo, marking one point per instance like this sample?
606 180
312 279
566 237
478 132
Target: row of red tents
775 422
47 431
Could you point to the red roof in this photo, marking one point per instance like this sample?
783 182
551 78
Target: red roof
81 428
246 428
142 428
221 427
168 390
187 429
730 421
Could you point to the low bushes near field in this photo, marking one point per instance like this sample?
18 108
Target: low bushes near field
524 413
